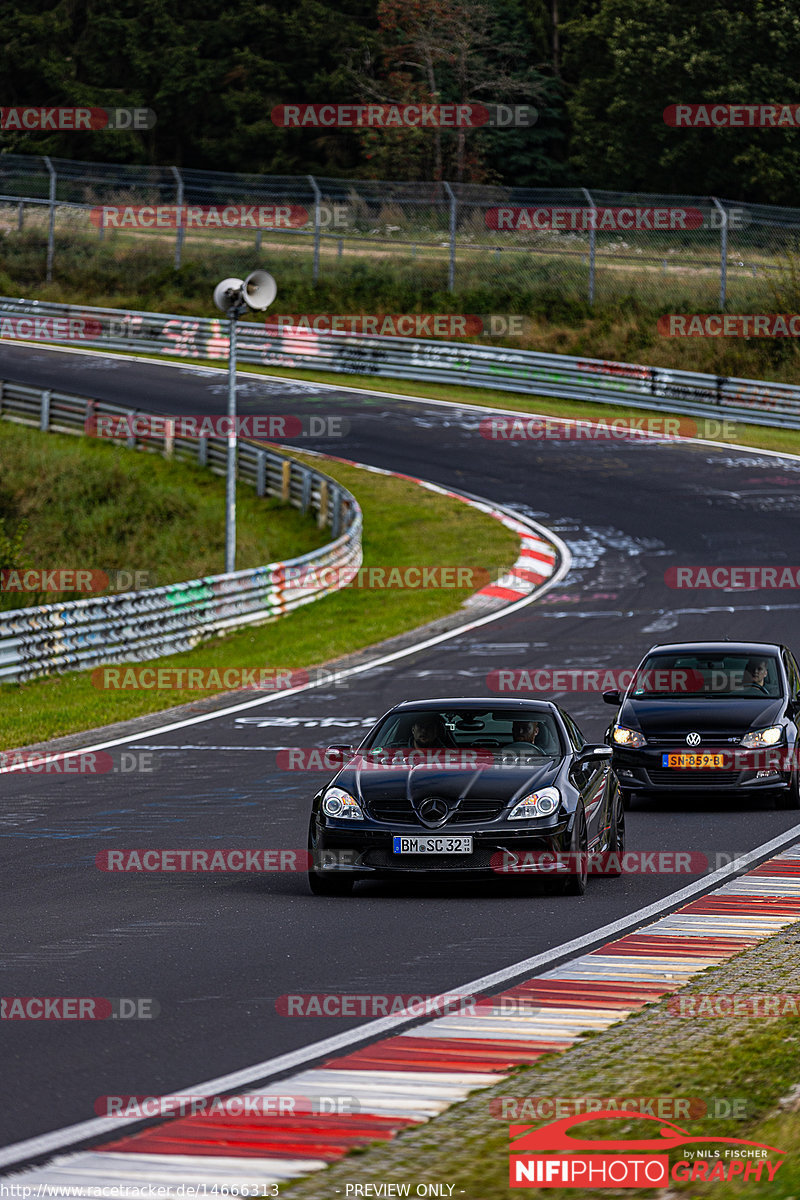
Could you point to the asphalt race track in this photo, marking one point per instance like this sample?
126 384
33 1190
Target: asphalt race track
217 951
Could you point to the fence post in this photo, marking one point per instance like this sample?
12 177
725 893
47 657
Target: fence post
317 215
451 272
44 412
592 244
51 232
723 254
307 485
322 515
179 232
261 477
20 216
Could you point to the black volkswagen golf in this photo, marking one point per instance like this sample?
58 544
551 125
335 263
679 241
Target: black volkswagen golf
464 787
710 716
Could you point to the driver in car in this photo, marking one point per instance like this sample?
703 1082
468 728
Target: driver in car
427 733
524 734
755 674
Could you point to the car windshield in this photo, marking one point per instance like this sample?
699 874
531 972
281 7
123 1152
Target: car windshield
712 676
500 732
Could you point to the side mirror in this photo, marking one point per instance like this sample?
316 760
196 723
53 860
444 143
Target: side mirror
339 753
612 697
593 755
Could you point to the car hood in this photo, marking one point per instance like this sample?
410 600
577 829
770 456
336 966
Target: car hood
701 716
498 782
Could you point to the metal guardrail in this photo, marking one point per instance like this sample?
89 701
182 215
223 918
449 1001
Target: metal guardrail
750 401
135 626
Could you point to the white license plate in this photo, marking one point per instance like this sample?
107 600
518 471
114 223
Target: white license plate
432 845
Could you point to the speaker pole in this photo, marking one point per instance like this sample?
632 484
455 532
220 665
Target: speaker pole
230 476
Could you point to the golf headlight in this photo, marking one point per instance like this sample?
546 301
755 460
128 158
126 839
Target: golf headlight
762 737
628 737
338 803
538 804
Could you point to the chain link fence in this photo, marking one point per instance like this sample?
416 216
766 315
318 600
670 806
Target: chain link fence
665 250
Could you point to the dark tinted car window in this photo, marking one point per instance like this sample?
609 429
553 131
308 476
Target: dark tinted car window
470 729
717 676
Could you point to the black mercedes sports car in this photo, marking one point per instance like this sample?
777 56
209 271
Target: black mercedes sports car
463 787
710 716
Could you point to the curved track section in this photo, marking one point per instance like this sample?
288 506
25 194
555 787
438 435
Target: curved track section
218 951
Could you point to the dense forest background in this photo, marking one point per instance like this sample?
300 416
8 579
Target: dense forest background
600 72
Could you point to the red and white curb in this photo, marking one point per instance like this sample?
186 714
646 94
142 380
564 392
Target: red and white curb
538 557
407 1078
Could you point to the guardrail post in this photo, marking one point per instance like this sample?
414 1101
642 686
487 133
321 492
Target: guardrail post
317 217
44 416
451 270
2 387
169 438
322 516
179 232
202 451
286 480
305 499
337 514
592 244
261 476
51 230
723 254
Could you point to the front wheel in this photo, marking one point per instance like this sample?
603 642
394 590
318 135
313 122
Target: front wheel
574 884
790 798
329 883
616 842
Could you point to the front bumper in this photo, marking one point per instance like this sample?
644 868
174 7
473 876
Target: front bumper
643 771
368 851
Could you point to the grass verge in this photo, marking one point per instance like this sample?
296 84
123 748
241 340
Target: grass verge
81 503
403 525
740 1068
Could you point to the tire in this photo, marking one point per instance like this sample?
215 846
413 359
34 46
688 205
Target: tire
627 799
616 843
791 798
326 884
575 885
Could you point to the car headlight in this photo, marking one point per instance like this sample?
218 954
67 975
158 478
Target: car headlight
762 737
628 737
538 804
338 803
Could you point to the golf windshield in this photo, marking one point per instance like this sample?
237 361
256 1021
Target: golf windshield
717 676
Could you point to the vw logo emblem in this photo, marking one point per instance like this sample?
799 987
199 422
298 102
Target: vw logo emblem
433 810
693 739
